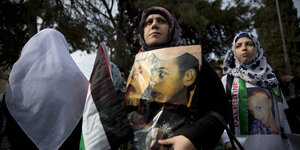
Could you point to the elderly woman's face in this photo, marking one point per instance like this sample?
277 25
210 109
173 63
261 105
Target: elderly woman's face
244 50
156 29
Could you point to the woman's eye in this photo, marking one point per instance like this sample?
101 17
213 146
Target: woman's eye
161 21
250 44
237 46
258 108
149 22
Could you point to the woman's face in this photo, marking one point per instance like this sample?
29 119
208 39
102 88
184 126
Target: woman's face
261 106
244 50
156 29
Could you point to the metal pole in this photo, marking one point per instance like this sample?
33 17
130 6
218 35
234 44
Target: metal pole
286 57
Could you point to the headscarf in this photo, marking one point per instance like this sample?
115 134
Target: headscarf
47 91
257 72
173 38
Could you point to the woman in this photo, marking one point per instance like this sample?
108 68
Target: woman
246 69
159 29
45 97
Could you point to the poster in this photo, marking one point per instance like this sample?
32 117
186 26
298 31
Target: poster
160 91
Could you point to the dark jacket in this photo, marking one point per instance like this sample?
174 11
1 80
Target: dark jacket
203 130
19 140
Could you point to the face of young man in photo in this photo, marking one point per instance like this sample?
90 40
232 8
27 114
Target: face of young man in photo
244 50
156 29
167 83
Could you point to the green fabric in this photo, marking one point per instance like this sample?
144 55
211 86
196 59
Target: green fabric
277 93
243 107
81 147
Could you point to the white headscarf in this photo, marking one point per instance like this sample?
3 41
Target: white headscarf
47 91
257 72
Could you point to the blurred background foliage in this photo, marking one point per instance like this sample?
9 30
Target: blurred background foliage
211 23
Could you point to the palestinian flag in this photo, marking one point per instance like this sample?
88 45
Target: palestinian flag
105 124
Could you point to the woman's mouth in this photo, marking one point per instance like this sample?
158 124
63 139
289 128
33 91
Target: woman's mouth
154 34
245 55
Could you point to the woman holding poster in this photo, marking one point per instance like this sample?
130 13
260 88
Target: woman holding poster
171 90
257 102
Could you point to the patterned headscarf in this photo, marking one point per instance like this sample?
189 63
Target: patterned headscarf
257 72
173 38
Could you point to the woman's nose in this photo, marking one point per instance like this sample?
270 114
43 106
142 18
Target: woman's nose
244 47
154 24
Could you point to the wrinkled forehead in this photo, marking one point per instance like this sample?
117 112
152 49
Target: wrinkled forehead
155 16
156 10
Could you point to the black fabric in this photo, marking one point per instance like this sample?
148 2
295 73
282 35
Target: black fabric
206 131
203 130
113 117
229 82
293 112
19 140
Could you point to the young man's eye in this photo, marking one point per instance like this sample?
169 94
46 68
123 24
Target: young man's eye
238 46
161 74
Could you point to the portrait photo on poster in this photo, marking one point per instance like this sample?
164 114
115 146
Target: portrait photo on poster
261 107
160 90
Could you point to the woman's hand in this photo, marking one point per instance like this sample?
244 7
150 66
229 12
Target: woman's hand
178 143
228 146
286 78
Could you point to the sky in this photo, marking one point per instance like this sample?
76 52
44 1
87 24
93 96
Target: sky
297 5
85 61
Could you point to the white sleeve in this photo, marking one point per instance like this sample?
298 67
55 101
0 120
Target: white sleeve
224 138
284 120
285 124
284 103
224 80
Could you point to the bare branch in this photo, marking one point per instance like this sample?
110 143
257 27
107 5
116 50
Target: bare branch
110 14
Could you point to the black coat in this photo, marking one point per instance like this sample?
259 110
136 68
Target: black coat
19 140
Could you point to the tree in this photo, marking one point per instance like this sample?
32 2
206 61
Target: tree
19 22
87 23
206 23
268 30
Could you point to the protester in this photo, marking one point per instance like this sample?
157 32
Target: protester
246 69
123 80
218 70
45 97
159 29
293 112
290 78
117 80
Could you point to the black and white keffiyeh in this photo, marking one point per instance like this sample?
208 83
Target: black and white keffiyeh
257 72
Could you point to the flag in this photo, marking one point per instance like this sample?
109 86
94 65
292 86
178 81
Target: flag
105 124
